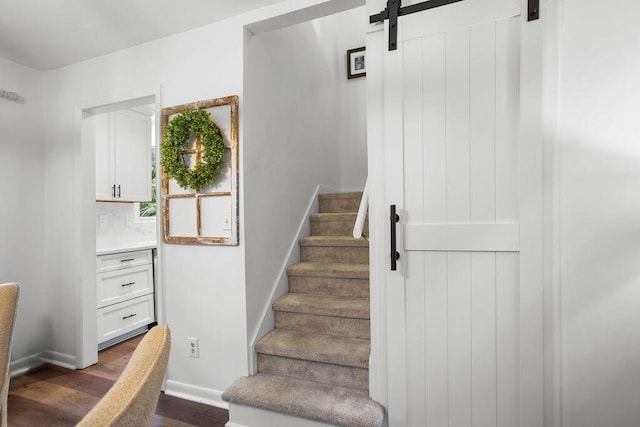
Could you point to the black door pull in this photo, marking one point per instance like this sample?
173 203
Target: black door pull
394 218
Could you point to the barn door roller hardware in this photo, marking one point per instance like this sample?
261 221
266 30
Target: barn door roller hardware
534 10
394 9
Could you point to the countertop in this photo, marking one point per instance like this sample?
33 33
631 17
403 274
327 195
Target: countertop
115 247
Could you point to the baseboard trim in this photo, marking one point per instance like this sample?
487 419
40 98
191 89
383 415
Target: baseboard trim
21 366
124 337
59 359
24 365
195 393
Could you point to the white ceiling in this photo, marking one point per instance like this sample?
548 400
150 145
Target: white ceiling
47 34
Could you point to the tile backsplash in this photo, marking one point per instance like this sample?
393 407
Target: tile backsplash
118 222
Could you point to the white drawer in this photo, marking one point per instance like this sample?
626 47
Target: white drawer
118 319
123 260
121 285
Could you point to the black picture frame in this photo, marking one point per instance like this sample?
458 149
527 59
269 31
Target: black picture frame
356 63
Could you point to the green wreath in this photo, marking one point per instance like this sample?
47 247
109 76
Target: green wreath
175 145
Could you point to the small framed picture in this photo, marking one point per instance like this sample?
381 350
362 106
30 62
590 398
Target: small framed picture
356 66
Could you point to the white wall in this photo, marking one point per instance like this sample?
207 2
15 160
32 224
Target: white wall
339 33
599 133
21 206
289 132
203 286
304 127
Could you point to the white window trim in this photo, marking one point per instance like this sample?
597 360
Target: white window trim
144 219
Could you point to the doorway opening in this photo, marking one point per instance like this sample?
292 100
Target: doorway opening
119 295
304 133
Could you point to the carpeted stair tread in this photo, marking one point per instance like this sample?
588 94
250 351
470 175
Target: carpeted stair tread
334 224
343 249
323 305
339 202
329 269
342 406
339 196
350 327
319 348
344 241
330 217
336 286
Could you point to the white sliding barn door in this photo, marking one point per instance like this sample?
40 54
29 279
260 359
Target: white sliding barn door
452 161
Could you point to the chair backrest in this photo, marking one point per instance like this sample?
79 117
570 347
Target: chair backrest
133 398
8 304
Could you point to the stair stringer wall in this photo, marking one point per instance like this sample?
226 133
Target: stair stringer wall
281 284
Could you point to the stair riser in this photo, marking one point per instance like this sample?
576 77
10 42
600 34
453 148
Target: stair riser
324 325
344 376
339 254
339 205
245 415
335 228
319 348
329 286
318 305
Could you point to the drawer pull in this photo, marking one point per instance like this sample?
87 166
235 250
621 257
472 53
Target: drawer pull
129 316
128 284
127 260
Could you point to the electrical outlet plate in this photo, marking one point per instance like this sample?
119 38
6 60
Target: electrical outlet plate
194 347
102 220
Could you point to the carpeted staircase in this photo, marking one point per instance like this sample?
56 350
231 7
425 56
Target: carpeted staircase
314 364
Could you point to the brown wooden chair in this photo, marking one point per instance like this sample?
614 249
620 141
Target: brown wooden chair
132 400
8 305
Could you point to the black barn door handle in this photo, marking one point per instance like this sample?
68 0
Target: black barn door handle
394 218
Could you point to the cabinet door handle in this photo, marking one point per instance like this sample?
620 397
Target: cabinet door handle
127 260
119 196
128 284
113 191
128 317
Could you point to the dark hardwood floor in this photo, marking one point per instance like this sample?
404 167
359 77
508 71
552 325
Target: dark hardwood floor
54 396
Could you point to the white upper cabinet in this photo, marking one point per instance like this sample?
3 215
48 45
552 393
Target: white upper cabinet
104 158
123 157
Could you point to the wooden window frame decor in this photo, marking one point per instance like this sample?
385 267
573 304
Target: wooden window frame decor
230 137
